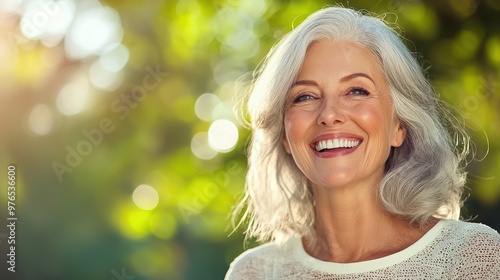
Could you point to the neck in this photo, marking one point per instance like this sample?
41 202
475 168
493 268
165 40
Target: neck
352 226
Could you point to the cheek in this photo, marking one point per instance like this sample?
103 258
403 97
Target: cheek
292 128
377 121
295 120
370 116
376 125
296 127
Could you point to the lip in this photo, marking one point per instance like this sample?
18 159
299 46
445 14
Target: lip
339 152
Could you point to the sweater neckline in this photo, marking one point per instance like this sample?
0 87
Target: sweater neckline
365 266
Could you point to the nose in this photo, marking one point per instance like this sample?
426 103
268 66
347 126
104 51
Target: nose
331 114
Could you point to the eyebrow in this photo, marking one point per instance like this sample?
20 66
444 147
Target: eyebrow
342 80
355 75
304 83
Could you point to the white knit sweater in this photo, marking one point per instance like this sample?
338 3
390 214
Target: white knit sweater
450 250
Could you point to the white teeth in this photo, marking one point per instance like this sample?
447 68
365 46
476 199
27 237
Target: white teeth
336 143
329 143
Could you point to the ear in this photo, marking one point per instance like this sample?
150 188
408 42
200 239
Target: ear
286 144
399 134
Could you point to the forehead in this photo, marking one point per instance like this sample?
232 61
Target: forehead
339 58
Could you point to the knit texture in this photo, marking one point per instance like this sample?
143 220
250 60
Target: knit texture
450 250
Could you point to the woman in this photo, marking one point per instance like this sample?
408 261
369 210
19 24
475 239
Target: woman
355 168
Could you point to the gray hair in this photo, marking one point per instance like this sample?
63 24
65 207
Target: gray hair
424 177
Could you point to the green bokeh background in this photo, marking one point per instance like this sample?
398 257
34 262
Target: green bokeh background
87 225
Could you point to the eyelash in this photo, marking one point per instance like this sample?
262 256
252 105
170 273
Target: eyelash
299 99
362 91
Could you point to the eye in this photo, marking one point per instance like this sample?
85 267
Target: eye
303 97
358 91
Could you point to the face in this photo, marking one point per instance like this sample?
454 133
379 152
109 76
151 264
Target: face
339 121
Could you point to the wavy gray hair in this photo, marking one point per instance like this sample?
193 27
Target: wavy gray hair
424 177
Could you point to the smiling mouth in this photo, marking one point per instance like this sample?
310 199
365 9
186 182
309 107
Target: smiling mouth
332 144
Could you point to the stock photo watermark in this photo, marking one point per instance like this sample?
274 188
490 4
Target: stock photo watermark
11 218
38 19
471 104
121 275
121 106
203 195
398 5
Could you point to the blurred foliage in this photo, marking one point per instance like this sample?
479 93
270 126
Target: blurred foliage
88 226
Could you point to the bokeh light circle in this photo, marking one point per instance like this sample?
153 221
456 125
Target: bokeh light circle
206 105
115 59
92 32
200 147
41 120
73 98
104 79
145 197
223 135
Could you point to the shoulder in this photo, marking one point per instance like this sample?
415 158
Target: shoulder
475 249
472 233
256 263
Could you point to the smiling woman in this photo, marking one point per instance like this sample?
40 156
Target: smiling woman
355 168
